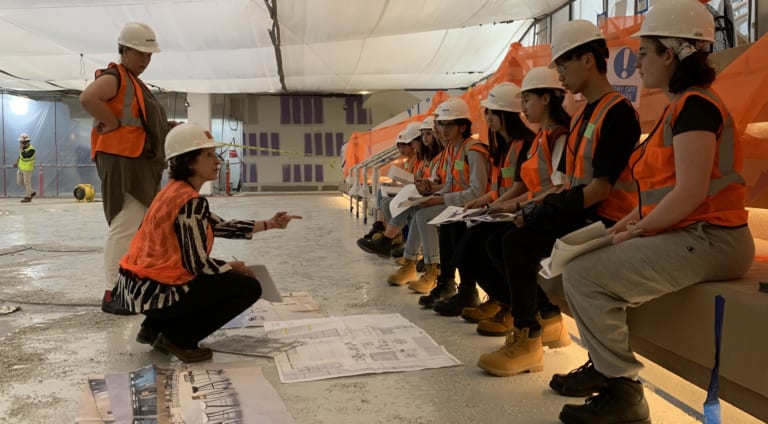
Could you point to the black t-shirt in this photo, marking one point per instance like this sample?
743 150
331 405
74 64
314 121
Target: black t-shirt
698 114
618 137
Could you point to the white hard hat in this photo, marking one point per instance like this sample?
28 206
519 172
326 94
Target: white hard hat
504 96
453 108
23 137
573 34
138 36
187 137
679 19
541 77
410 133
428 123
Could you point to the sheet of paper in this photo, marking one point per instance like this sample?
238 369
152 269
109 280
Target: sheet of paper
268 289
400 175
295 305
389 191
407 192
352 345
455 214
579 242
249 345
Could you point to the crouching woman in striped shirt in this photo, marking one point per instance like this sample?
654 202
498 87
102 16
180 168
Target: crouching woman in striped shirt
168 275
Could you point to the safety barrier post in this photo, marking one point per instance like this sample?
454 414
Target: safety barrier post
227 176
40 182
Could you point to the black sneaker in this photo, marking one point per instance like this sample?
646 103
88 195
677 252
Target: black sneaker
621 400
420 267
378 246
112 307
452 307
581 382
397 251
378 227
443 290
146 335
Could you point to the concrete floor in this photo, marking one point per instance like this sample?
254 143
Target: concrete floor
51 266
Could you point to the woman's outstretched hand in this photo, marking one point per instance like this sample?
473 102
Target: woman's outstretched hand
280 220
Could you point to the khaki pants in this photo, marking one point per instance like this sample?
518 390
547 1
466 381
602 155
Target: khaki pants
600 285
24 178
121 231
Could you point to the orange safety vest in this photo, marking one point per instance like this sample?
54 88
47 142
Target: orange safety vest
443 165
580 152
653 168
154 251
128 106
536 171
459 166
503 177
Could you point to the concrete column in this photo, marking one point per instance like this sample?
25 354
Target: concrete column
200 111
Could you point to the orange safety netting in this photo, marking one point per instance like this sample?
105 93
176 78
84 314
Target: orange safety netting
742 84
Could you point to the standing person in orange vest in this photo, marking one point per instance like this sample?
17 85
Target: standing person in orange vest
127 145
597 152
168 274
690 224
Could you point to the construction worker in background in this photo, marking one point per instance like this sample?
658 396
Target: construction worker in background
26 164
130 126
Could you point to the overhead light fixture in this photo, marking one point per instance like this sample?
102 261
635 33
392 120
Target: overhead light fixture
19 105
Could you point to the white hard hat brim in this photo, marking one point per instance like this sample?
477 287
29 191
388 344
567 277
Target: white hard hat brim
206 145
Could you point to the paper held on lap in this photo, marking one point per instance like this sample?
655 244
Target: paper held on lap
579 242
400 175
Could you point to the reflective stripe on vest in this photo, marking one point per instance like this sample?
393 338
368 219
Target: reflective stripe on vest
502 178
581 151
459 166
128 106
654 169
27 164
536 171
154 251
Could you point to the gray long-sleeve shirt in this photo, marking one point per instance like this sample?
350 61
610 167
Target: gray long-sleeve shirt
478 180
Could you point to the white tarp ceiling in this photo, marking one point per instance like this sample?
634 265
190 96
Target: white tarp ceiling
224 46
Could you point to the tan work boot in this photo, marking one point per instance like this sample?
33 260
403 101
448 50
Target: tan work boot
519 354
427 281
404 274
500 325
553 332
485 310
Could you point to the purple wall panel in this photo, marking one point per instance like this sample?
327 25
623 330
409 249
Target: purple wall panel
264 144
319 173
318 108
251 143
308 143
308 173
275 143
254 174
329 144
349 102
306 105
296 109
362 117
318 144
286 173
285 110
296 173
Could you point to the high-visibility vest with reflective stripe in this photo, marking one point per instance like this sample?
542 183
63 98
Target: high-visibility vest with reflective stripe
459 162
581 151
128 106
154 251
27 164
443 163
503 177
653 168
536 171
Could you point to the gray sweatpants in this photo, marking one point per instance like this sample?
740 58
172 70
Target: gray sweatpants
427 235
600 285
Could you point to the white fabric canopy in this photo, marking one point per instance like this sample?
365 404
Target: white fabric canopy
224 46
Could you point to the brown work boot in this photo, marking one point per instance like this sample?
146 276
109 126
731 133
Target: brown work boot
404 274
553 332
485 310
162 344
427 281
26 200
500 325
519 354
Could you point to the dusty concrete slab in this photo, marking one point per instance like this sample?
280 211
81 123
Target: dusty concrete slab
50 264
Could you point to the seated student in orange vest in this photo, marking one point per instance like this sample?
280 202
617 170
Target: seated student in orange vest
508 138
691 223
542 96
601 140
168 275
